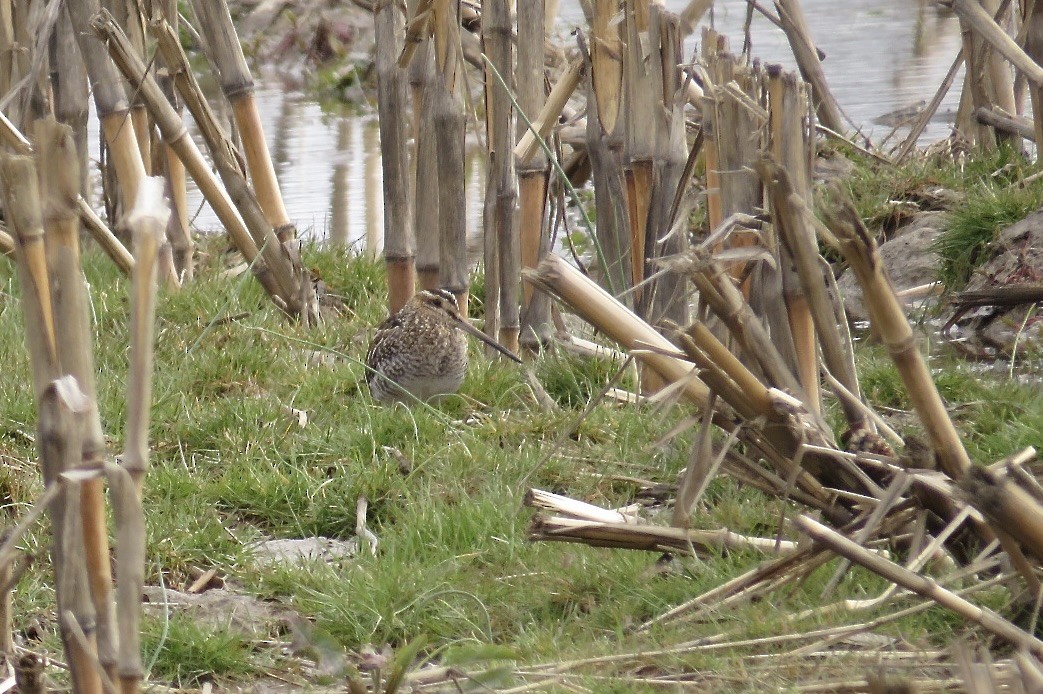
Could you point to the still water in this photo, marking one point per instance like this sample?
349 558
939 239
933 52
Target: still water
881 55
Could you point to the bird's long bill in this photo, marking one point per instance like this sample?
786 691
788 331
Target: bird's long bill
464 325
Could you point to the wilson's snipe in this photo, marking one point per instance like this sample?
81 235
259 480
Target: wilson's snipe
422 349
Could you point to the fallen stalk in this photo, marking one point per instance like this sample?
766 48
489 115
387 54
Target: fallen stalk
921 585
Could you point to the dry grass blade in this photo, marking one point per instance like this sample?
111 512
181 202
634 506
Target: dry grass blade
130 573
528 146
917 128
769 570
7 243
57 166
920 585
399 235
704 543
13 137
892 495
890 323
238 86
571 430
9 548
845 395
986 27
702 467
1008 507
367 536
22 204
598 308
829 643
148 220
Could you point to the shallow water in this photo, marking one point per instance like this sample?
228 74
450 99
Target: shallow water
881 55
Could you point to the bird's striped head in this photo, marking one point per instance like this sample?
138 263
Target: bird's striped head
439 300
443 303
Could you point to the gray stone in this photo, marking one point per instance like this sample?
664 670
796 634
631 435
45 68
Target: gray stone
908 257
1015 258
832 166
295 552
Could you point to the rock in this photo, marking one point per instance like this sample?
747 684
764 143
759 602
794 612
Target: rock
832 166
303 34
908 257
1015 258
294 552
901 117
1016 327
260 17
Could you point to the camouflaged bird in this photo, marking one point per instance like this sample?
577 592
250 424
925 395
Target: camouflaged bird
421 351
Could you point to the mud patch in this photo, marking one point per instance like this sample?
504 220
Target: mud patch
221 609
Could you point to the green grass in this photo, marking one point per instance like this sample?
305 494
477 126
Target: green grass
996 416
187 653
980 195
231 466
973 226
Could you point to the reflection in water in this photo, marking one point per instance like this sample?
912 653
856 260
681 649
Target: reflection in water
882 55
356 213
374 189
475 175
280 140
320 160
339 201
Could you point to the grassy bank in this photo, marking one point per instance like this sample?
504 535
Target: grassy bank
981 196
234 464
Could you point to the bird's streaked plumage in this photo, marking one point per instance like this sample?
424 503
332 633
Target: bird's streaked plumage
421 351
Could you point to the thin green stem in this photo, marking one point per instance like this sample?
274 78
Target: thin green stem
602 261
